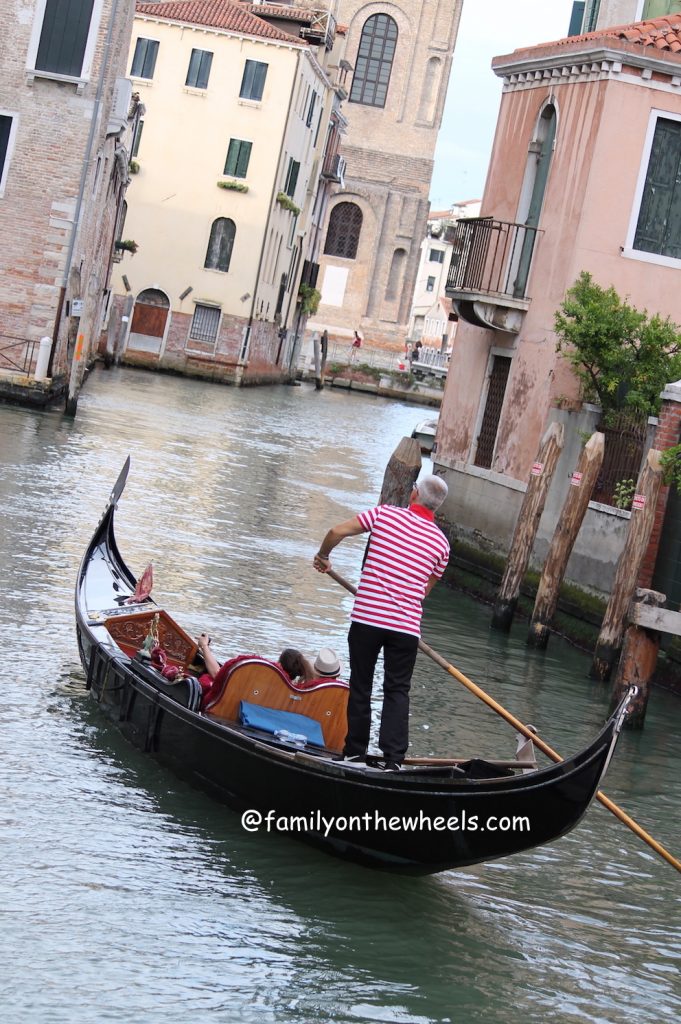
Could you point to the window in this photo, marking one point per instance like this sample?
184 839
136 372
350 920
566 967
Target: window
659 220
310 109
238 156
205 323
199 69
253 81
144 59
430 284
496 389
345 226
64 36
291 178
374 61
6 138
220 245
137 138
436 256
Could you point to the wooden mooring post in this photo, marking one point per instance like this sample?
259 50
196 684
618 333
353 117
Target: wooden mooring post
628 567
570 519
527 525
401 473
639 654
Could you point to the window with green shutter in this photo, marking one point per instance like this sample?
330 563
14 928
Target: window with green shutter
198 71
238 156
659 221
63 37
291 178
144 59
253 80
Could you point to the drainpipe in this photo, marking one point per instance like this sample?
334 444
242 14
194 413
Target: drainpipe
247 334
72 399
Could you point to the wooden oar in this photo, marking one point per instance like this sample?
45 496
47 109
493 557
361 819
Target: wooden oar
518 725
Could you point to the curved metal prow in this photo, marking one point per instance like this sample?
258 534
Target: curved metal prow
119 486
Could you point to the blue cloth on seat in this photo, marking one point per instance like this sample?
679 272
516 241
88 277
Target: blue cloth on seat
271 720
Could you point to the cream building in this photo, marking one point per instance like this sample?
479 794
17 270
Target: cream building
589 15
227 190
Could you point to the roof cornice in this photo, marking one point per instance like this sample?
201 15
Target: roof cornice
566 54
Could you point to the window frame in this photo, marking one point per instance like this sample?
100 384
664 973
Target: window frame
292 172
204 53
9 150
259 64
363 62
235 172
430 283
354 238
628 252
205 341
439 256
220 270
88 53
145 39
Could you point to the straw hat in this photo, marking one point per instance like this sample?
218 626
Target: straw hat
327 663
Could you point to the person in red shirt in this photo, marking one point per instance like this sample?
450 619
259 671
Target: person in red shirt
406 555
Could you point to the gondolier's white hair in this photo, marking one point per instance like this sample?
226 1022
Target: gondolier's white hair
432 492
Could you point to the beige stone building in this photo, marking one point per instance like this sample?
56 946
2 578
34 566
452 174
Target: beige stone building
229 193
397 59
589 15
65 109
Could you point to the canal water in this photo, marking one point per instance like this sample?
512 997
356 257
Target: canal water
128 896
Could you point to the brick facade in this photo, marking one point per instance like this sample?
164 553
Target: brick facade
667 434
57 154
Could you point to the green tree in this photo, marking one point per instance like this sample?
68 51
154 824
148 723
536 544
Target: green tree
622 357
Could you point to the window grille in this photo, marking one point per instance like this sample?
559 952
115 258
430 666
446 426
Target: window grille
374 61
345 226
487 437
205 323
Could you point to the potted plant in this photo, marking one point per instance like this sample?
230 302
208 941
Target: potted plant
126 245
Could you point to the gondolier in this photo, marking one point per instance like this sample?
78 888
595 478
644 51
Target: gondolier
407 554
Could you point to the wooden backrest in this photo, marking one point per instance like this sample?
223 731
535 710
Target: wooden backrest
130 632
260 682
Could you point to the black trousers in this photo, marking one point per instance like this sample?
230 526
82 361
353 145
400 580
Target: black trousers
399 656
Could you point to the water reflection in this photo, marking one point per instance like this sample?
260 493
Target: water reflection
138 897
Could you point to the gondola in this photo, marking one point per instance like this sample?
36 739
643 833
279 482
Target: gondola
423 819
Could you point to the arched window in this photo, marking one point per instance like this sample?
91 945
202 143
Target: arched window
374 61
342 236
220 244
394 285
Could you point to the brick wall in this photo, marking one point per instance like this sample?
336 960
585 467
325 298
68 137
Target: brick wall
667 435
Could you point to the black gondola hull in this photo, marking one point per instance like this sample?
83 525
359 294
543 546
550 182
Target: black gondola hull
417 821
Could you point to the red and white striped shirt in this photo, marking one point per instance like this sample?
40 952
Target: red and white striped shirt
406 548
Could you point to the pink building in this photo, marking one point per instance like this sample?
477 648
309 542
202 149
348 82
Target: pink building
585 174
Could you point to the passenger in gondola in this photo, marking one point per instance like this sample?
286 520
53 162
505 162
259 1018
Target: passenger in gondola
296 665
326 665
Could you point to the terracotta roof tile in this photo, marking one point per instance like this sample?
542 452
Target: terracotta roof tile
215 14
662 33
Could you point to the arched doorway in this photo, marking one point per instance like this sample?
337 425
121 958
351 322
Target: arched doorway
149 322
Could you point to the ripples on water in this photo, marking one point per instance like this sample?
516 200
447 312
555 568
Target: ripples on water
128 896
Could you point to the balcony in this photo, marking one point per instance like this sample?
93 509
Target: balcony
487 279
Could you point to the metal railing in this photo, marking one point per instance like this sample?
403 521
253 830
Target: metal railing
491 257
17 355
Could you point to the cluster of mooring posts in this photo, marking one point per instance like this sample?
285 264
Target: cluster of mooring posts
629 637
646 617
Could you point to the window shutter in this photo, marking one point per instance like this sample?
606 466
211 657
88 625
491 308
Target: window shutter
659 222
66 25
243 159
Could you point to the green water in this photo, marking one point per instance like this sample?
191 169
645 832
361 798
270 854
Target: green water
128 896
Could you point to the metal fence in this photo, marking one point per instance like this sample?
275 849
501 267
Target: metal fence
17 355
491 257
625 445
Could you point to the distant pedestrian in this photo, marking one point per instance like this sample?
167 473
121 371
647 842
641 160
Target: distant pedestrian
356 346
324 342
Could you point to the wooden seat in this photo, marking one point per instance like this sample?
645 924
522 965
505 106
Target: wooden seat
130 632
263 682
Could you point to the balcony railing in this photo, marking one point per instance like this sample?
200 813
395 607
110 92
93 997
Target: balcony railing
491 257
